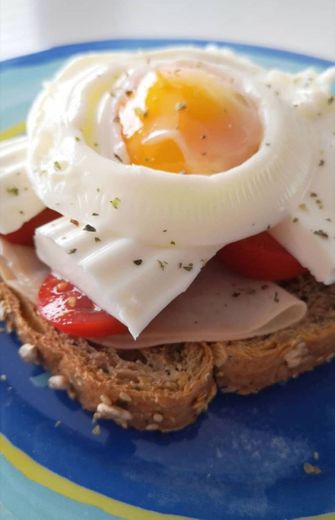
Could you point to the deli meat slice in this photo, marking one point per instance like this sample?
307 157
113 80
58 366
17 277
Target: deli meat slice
21 270
217 306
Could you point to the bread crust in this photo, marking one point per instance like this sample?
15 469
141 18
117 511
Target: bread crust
248 366
165 388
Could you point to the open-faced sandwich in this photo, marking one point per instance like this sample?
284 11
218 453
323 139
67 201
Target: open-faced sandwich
168 229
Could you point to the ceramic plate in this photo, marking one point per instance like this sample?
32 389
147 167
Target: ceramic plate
243 460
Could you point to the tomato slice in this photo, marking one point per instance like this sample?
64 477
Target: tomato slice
68 309
24 235
260 257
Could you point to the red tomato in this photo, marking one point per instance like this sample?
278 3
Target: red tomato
260 257
70 310
24 235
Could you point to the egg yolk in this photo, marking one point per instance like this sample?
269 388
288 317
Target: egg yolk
188 121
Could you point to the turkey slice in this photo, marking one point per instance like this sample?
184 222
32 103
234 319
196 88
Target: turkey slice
217 306
21 270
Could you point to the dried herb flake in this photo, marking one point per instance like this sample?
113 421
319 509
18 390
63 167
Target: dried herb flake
90 228
321 233
162 264
181 106
118 157
13 190
115 202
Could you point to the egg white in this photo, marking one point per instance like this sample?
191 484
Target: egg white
74 177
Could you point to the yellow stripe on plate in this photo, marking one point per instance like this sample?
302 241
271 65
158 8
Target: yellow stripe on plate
13 131
326 516
43 476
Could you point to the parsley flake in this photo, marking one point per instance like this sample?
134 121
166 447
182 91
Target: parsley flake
162 264
118 157
115 202
181 106
321 233
141 113
57 165
90 228
72 251
13 190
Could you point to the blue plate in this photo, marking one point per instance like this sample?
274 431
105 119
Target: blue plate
243 460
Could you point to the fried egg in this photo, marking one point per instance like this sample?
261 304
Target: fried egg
191 141
156 160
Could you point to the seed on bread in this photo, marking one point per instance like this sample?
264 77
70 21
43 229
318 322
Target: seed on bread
125 397
152 427
104 411
57 382
28 353
158 417
2 311
105 400
295 356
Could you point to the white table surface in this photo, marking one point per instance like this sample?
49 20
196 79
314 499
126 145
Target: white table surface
306 26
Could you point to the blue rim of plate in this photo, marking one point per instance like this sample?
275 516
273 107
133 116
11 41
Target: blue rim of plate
232 410
133 43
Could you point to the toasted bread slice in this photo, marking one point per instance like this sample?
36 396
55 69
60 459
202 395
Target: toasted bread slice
163 388
247 366
166 387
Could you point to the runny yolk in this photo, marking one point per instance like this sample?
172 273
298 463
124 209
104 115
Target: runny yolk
188 121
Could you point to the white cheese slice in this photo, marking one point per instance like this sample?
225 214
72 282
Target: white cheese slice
309 233
131 281
18 200
218 306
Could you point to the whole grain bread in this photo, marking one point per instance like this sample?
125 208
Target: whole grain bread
166 387
250 365
163 388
